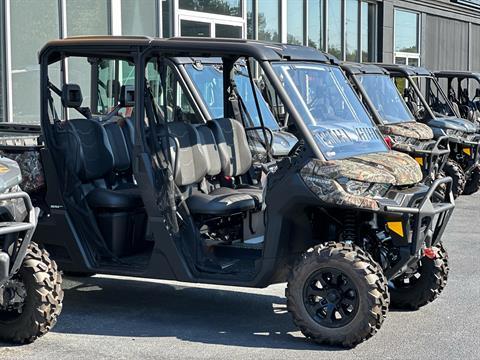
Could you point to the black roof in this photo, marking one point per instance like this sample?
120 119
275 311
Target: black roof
181 47
397 69
358 69
455 74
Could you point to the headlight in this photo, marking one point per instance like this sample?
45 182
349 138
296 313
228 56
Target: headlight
453 132
362 188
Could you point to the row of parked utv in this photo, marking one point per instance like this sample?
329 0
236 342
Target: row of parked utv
240 163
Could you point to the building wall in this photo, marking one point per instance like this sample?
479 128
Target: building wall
449 33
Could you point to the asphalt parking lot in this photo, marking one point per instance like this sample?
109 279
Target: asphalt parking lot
115 318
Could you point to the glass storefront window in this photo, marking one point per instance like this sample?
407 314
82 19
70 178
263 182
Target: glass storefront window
335 28
268 20
138 17
87 17
315 23
368 31
166 18
220 7
351 29
295 22
250 26
33 23
228 31
194 28
406 31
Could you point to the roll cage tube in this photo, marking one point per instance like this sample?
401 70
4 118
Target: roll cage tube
420 96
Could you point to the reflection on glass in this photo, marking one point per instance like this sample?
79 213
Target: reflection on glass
138 17
315 23
406 31
335 28
87 17
351 27
228 31
332 111
250 34
194 28
386 99
209 83
413 62
221 7
368 31
33 23
295 22
268 20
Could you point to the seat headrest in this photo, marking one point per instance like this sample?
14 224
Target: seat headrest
90 150
71 96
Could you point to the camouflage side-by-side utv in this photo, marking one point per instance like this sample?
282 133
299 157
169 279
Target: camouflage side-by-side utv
429 104
463 90
395 121
30 284
136 183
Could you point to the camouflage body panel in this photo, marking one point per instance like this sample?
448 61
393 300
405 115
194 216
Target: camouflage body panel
330 191
414 130
31 169
391 168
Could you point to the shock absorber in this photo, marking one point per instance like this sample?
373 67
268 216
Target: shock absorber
350 226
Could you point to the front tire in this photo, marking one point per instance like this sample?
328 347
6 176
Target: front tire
337 295
455 171
40 296
473 184
424 286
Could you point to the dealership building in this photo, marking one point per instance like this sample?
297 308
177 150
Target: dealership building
438 34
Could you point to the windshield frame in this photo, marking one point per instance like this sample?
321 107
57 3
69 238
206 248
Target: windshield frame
379 119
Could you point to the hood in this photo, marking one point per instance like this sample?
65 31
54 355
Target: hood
454 124
283 142
391 167
413 129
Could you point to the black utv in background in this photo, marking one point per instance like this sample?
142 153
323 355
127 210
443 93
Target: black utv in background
463 90
430 105
135 187
395 120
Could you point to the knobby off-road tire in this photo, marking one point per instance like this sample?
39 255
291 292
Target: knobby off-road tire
473 184
455 171
359 272
430 280
43 302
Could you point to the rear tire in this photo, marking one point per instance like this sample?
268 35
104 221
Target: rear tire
455 171
424 286
355 280
41 281
473 184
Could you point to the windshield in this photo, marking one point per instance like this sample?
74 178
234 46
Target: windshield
208 80
386 99
331 110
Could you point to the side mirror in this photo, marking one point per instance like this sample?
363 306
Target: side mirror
72 96
113 88
127 96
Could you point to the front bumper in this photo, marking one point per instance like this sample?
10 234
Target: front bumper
11 261
467 148
416 218
431 159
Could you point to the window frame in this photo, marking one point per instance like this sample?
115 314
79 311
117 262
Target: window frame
408 55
